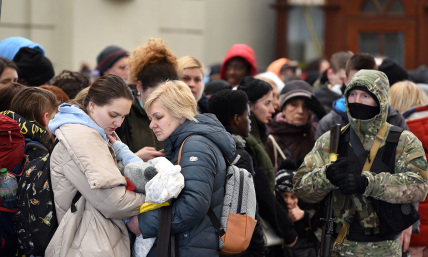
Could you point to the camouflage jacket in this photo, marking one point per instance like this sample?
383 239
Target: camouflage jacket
408 183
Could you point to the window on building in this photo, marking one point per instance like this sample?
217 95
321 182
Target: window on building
382 7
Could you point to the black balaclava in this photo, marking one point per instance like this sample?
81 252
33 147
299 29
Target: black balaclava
362 111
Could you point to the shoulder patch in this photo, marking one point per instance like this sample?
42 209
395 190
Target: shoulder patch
193 158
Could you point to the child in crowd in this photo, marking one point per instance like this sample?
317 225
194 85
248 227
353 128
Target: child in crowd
299 212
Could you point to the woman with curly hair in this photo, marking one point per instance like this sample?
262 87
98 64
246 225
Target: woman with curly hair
150 65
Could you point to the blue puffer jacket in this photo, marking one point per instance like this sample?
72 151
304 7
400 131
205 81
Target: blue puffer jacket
201 160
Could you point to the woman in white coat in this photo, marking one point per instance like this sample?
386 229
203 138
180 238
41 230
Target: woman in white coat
83 161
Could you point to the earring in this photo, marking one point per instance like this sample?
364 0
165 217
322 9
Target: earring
139 94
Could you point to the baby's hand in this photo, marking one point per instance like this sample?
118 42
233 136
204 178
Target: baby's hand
112 139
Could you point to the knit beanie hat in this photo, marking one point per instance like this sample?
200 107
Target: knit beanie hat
108 57
10 46
284 180
33 67
254 88
394 71
294 88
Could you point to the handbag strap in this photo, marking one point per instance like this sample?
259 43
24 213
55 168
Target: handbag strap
276 149
181 147
164 234
166 243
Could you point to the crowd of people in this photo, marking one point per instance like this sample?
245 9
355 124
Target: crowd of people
142 105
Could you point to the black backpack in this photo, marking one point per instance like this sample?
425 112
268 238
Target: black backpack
36 222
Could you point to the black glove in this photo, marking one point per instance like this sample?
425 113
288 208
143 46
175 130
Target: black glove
337 170
315 106
353 184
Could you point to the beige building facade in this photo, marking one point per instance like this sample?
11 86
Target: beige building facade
74 31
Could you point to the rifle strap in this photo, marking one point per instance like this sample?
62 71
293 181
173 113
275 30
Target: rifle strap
380 136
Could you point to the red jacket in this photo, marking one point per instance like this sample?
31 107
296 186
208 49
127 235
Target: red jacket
239 50
419 127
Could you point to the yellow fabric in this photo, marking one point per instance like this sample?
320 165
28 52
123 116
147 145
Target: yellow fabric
333 157
152 206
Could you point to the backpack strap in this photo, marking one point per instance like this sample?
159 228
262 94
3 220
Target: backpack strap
391 145
214 220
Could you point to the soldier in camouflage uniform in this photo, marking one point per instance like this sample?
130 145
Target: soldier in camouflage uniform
406 183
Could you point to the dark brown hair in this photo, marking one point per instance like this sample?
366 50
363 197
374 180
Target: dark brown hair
6 63
360 61
7 93
104 90
71 82
32 102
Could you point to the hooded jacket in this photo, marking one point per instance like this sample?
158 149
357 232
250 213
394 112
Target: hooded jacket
417 120
407 184
338 116
82 161
243 51
201 161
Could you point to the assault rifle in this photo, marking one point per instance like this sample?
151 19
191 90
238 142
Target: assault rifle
327 231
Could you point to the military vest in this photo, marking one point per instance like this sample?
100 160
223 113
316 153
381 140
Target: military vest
357 210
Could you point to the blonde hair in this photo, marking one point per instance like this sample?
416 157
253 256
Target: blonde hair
174 96
189 62
268 80
406 95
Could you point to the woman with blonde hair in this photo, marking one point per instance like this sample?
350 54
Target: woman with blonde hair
405 95
150 65
172 110
191 71
411 101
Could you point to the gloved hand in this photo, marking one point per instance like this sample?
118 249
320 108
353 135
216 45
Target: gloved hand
337 170
315 106
353 183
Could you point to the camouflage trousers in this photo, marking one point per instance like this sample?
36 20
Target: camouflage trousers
388 248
